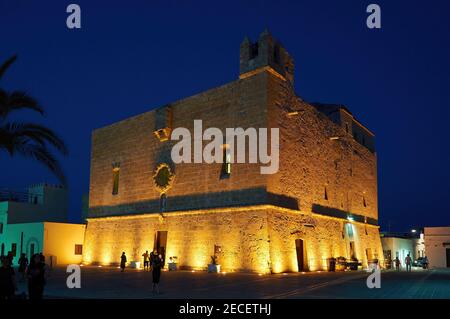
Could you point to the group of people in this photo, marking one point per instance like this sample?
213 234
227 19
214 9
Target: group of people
35 271
408 263
152 262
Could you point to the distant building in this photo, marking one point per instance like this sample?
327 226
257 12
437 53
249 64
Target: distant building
40 202
36 221
399 245
437 243
61 243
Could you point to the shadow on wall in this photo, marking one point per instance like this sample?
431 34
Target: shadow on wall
239 198
334 212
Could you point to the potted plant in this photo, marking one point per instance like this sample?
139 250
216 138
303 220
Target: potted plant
172 263
214 265
341 263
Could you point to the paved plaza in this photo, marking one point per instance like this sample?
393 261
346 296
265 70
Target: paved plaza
106 282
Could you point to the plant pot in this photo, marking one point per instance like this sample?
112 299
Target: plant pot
213 268
172 266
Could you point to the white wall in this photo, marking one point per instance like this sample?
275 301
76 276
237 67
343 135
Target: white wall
60 240
437 241
33 233
400 246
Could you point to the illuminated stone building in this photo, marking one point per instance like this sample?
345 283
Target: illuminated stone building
321 203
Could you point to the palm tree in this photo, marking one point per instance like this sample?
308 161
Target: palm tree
27 139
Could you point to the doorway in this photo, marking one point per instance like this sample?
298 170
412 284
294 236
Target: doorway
31 250
352 250
300 249
448 257
161 244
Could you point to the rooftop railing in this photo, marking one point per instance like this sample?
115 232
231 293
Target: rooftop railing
7 195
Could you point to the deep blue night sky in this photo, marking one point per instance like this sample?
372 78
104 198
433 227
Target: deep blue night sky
132 56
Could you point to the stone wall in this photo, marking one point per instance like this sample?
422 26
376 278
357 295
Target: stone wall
132 144
241 233
320 164
259 239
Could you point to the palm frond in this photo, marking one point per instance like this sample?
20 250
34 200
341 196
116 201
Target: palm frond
31 140
17 100
6 65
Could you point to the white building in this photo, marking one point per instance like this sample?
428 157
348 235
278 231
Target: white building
400 245
36 222
437 246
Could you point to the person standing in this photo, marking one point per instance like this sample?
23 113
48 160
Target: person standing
123 261
156 271
36 278
10 258
153 254
397 263
146 260
408 262
7 281
23 264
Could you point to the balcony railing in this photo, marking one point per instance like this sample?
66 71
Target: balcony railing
20 197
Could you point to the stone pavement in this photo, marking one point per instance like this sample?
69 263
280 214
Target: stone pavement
106 282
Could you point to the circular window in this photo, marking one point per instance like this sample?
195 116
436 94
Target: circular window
163 178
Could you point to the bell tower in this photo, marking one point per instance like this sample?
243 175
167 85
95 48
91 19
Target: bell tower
266 54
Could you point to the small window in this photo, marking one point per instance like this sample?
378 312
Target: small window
325 195
14 249
1 228
364 201
226 163
78 249
346 127
115 189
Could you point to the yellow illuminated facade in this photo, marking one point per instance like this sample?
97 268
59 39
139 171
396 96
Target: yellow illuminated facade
321 203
